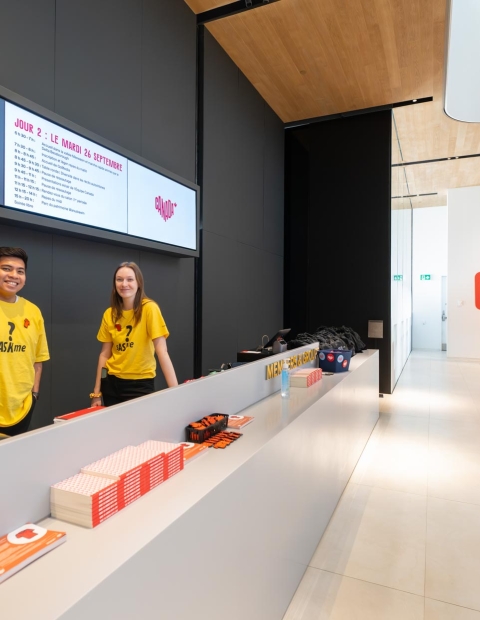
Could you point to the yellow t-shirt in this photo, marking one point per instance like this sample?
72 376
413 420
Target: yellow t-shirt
22 343
133 353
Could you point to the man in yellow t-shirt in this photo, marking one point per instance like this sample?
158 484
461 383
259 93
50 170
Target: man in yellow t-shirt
23 345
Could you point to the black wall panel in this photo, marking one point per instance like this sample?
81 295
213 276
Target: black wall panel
250 169
273 183
272 292
296 229
222 182
220 300
27 49
98 67
168 85
242 212
340 272
249 297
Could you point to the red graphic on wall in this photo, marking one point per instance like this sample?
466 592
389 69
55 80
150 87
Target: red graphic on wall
477 291
165 207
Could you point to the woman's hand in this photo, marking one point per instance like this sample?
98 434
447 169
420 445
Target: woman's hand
105 354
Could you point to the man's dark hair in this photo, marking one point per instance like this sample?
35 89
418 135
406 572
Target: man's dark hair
15 253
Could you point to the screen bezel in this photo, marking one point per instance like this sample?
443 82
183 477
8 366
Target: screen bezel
15 216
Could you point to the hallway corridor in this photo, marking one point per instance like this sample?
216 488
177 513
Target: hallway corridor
404 541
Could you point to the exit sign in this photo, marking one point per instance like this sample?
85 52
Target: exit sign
398 278
426 276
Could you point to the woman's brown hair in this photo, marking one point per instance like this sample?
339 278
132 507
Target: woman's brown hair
116 300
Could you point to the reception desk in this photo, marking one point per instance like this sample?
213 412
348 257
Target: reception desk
229 537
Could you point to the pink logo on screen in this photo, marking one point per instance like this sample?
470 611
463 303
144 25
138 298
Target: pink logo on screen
166 208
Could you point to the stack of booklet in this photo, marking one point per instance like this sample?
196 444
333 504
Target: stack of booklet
173 454
84 500
106 486
305 377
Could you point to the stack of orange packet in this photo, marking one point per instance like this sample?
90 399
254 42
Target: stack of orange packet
222 440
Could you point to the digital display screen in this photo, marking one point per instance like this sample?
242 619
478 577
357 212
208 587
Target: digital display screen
51 171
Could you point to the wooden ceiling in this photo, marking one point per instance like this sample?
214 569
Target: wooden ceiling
311 58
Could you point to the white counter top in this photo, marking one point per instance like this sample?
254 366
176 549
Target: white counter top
54 584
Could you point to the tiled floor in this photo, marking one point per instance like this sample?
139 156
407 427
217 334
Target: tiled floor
404 541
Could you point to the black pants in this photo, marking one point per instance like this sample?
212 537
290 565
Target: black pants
115 390
22 426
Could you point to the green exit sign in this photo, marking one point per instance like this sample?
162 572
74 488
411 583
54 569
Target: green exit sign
398 278
426 276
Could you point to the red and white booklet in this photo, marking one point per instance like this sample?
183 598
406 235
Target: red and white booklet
76 414
192 451
24 545
239 421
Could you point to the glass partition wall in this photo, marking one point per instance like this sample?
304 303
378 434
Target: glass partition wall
401 261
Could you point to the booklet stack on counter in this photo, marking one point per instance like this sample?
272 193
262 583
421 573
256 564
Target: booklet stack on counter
305 377
106 486
84 500
133 468
24 545
173 454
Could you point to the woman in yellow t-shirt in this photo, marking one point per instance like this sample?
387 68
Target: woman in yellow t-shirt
132 331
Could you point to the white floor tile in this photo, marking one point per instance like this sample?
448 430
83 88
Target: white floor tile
424 452
378 536
452 406
396 456
453 553
454 460
435 610
325 596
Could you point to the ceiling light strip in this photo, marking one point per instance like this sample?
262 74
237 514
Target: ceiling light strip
415 195
433 161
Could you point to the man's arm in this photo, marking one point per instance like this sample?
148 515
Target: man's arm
38 366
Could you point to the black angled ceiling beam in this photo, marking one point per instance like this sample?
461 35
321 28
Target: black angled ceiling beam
231 9
378 108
